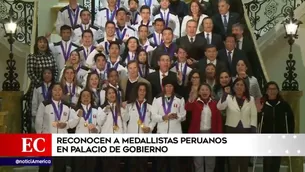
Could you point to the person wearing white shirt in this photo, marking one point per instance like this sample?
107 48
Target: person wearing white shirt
106 14
69 15
87 45
241 117
144 19
123 31
52 118
86 118
171 20
168 112
100 67
143 39
69 83
118 4
139 115
114 59
133 13
78 30
181 67
42 92
61 50
195 14
113 81
156 37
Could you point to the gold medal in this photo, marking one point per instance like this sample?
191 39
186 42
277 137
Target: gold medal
86 124
68 94
54 124
115 128
142 125
139 122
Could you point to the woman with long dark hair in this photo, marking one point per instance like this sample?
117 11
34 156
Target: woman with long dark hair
113 122
92 84
143 59
241 117
131 50
86 118
276 117
41 58
139 117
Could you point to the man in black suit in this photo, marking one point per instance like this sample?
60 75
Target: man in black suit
207 33
245 43
193 43
156 77
224 20
167 47
231 55
210 57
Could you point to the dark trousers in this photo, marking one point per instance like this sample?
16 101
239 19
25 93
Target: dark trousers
240 163
111 164
164 163
138 164
186 164
84 164
221 164
272 164
59 165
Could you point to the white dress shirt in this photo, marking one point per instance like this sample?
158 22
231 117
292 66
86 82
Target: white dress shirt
206 116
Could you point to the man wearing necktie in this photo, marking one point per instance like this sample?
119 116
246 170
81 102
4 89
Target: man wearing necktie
224 20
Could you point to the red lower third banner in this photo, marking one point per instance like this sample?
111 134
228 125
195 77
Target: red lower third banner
19 145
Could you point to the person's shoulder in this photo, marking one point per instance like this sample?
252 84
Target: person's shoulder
131 28
94 27
63 9
47 102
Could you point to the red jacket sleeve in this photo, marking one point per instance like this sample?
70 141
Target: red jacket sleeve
189 106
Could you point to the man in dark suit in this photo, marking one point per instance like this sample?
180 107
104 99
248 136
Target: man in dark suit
207 33
224 20
156 77
168 47
245 43
210 57
231 55
193 43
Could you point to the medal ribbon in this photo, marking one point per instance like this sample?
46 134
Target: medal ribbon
134 21
114 116
88 115
85 53
76 14
148 2
65 53
141 111
106 48
44 92
167 18
115 66
169 105
57 112
140 71
170 51
183 71
110 18
68 91
120 34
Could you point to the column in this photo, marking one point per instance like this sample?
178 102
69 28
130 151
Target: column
293 98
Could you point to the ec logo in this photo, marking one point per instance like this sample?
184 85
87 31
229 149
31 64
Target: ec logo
28 144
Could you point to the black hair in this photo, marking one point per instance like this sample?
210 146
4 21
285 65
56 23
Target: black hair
51 88
79 101
84 10
36 49
99 55
87 31
119 10
278 96
144 7
134 95
246 93
65 27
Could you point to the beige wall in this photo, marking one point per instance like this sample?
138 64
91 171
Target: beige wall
275 57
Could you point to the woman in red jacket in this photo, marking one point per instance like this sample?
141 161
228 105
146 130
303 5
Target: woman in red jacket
206 118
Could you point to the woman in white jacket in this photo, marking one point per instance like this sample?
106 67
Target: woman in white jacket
113 121
195 13
241 117
52 117
86 118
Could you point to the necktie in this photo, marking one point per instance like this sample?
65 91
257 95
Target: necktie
208 38
87 51
192 39
163 75
225 22
143 70
70 89
230 57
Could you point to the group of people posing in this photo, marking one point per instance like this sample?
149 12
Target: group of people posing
135 72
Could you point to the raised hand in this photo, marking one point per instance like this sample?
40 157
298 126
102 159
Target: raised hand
80 113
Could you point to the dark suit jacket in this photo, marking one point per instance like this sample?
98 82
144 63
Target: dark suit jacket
216 40
250 51
154 79
158 52
194 50
219 27
237 55
123 85
201 65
